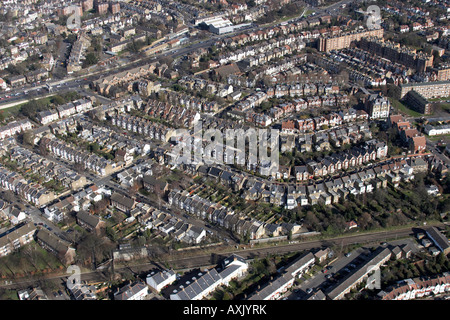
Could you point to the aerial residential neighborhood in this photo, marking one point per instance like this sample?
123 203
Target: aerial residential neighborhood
238 150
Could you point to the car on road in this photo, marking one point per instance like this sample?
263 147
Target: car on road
348 254
309 290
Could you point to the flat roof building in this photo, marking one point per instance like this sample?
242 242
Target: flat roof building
433 89
418 102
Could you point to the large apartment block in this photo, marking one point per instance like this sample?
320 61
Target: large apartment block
435 89
397 53
418 102
442 72
342 41
15 238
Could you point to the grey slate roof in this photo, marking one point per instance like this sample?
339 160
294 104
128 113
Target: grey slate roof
129 290
198 286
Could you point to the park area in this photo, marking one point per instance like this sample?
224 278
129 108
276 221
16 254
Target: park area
29 260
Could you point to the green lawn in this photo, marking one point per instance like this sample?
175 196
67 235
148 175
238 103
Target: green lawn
11 111
309 12
445 106
28 260
8 294
439 137
404 109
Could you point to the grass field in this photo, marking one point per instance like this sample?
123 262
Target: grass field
28 260
404 109
11 111
445 137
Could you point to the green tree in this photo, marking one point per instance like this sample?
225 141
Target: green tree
58 100
111 234
91 59
32 107
28 137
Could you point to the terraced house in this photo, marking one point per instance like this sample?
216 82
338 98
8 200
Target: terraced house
89 161
148 128
15 127
31 192
59 247
103 85
49 170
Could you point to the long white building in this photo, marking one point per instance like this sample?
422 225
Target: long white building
232 268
